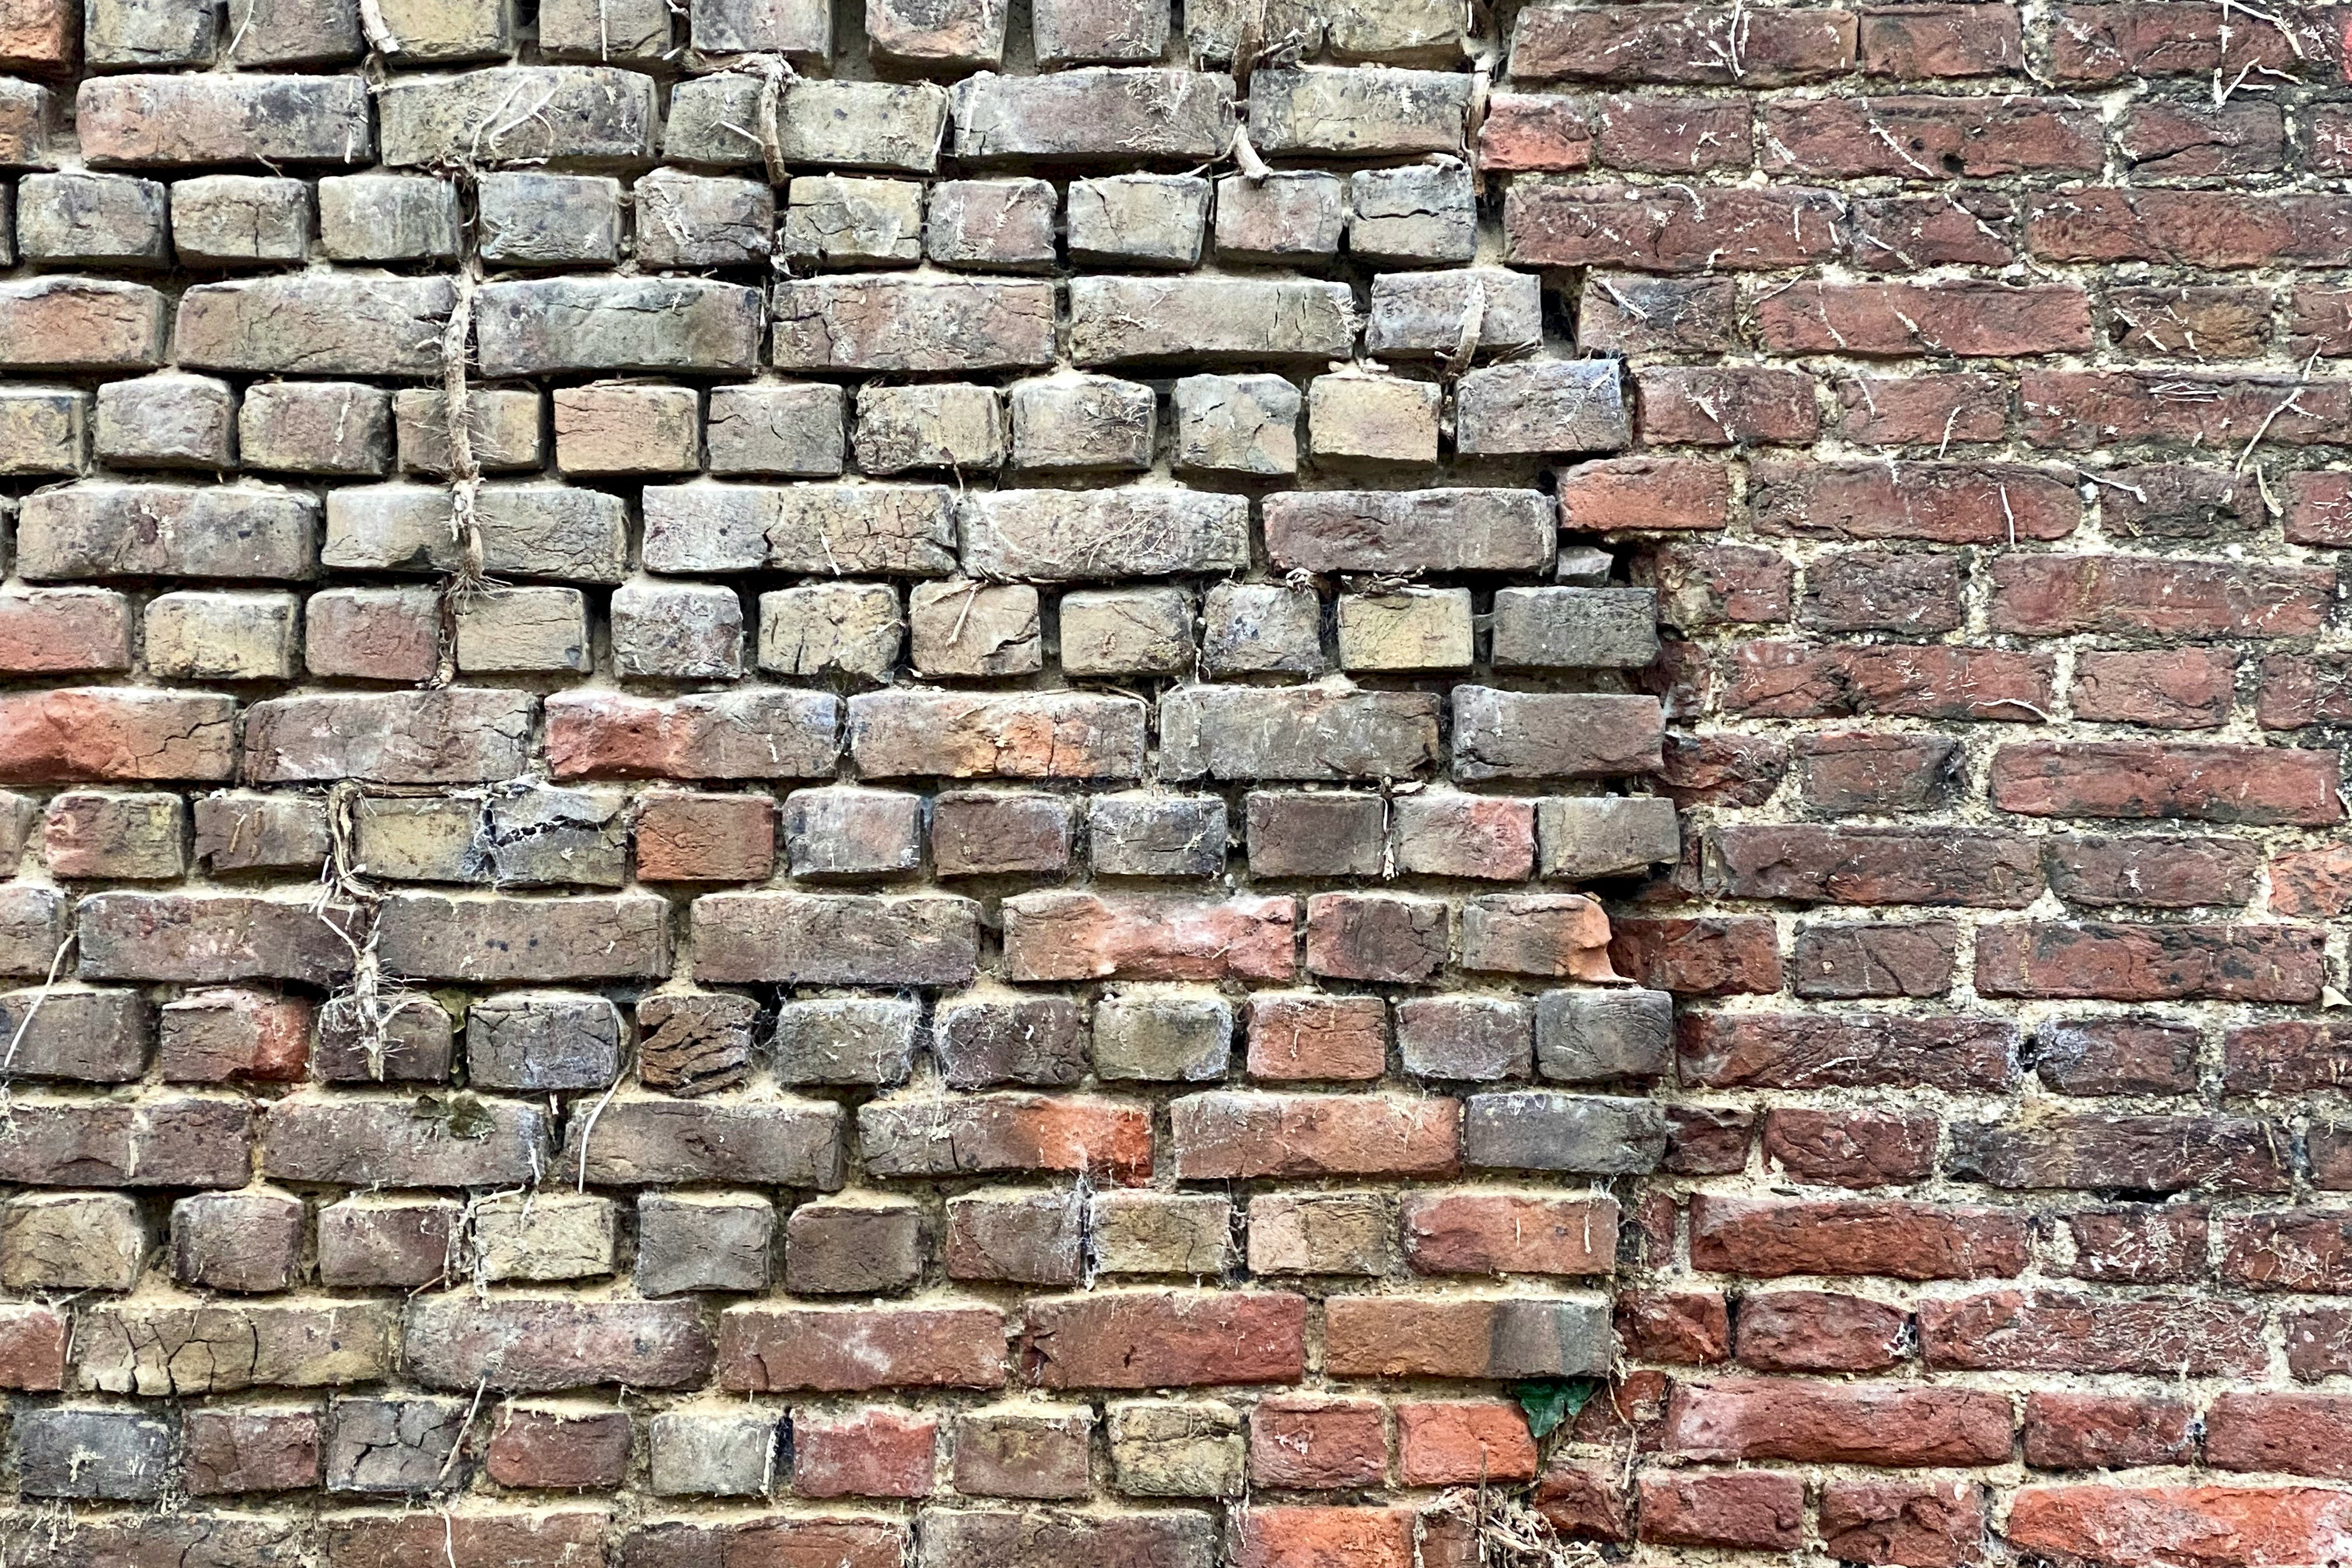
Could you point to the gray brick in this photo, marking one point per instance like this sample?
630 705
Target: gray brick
1074 422
537 1042
1537 406
1419 314
1410 530
1531 1130
230 220
990 225
1062 536
1138 220
933 425
1356 112
891 530
920 323
1602 836
795 429
1575 628
387 217
864 1040
526 530
1594 1036
1108 114
1117 320
1162 1036
1419 213
587 115
115 1455
687 220
528 219
219 117
107 530
316 323
560 325
1296 732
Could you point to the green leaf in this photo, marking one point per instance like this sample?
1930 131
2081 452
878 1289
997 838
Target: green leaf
1551 1401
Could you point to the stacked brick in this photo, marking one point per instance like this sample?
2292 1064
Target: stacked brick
923 784
797 788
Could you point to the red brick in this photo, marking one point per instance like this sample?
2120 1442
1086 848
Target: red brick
764 1349
1707 956
1965 320
2075 410
1296 1537
1467 1231
2105 1431
1725 405
2137 1244
2164 1526
2298 692
706 837
450 1538
1532 132
2286 1057
1819 1331
1823 1422
2255 786
2320 509
1228 1135
1318 1444
1865 772
2116 1055
1688 1328
1850 1148
1461 1336
1722 769
1956 228
1155 1339
1456 1442
1703 585
1930 138
1880 958
49 631
2319 321
1622 494
32 1349
2292 1249
2149 871
2054 595
2190 228
1305 1035
1916 42
1927 1525
2319 1341
1673 135
2312 882
863 1453
2113 42
1584 1501
1949 503
1760 1510
1894 1236
115 732
2164 140
1085 936
1396 938
1820 1050
1934 410
2018 1331
2267 962
1873 866
2295 1433
2169 689
1684 45
559 1449
1932 680
1664 229
258 1450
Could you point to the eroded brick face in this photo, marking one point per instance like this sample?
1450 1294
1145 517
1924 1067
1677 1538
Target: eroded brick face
932 784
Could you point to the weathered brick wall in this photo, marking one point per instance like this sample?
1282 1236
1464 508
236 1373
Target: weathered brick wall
983 872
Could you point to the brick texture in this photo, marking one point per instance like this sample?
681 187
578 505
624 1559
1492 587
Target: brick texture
1230 785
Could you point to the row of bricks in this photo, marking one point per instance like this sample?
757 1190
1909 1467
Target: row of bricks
360 1446
954 628
1248 426
1069 424
259 1241
1940 1524
872 322
548 1041
908 36
1134 1339
1319 733
1417 215
872 1242
539 837
2086 44
1150 1448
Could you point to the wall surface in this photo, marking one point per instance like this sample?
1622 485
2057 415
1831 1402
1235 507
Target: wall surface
1286 784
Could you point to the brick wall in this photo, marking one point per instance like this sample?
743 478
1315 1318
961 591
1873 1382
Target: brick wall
1583 802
